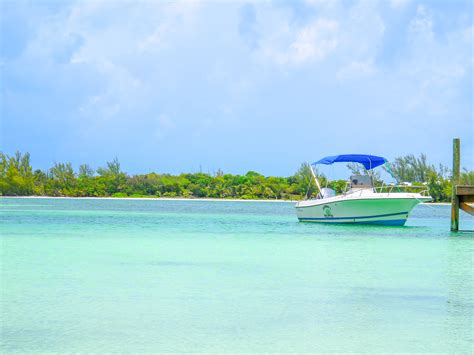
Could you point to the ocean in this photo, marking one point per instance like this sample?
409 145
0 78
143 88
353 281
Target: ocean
137 276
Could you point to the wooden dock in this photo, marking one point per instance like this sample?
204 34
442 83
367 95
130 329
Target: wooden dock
462 194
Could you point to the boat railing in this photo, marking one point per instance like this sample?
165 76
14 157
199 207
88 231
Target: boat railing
422 190
384 188
354 191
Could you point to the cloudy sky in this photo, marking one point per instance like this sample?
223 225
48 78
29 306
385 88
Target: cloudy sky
178 86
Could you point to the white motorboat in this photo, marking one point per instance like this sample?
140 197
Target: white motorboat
361 203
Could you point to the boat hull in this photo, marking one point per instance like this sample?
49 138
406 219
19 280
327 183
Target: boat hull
380 211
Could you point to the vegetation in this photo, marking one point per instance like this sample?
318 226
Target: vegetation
417 171
17 178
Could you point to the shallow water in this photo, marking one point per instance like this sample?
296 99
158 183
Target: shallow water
83 275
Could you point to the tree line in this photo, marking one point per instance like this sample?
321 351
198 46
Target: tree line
18 178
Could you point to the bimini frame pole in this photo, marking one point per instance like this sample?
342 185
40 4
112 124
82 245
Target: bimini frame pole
315 179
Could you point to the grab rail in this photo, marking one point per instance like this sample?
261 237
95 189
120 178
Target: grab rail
424 189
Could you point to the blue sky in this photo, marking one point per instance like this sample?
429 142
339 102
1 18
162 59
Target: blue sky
182 86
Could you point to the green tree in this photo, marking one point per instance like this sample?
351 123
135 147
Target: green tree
85 171
467 177
17 178
16 174
40 182
439 188
304 181
112 177
62 180
410 168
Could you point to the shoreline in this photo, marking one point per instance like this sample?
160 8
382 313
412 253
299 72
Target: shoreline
206 199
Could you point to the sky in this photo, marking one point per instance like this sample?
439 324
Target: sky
192 86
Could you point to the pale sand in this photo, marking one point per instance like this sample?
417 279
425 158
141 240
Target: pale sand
150 198
186 199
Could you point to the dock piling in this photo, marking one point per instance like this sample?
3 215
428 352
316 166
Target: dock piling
455 182
462 195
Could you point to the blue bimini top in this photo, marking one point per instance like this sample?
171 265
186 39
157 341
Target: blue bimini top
369 161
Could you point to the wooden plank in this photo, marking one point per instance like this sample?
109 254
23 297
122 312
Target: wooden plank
466 208
466 198
462 190
455 181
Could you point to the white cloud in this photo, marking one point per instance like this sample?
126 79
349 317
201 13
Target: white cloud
356 70
154 39
399 4
118 43
117 95
153 66
314 42
317 3
433 69
311 43
362 32
421 26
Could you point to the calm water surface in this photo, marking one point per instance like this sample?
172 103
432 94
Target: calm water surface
193 276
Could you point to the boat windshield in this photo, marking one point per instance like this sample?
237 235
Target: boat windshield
361 181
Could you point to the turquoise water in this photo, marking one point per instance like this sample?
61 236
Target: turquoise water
193 276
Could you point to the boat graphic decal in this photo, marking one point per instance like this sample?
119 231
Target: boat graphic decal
327 211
